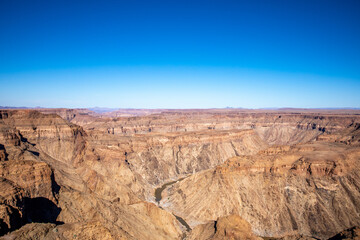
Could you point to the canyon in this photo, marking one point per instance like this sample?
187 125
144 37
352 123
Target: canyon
179 174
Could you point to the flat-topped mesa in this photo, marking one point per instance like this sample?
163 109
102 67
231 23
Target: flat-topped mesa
51 134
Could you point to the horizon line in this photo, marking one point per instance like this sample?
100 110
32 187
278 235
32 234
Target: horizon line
132 108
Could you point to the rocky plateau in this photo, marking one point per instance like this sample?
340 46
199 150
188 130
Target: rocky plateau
179 174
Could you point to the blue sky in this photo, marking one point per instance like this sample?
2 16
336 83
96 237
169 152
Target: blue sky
180 54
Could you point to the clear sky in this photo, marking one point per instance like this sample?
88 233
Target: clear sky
180 54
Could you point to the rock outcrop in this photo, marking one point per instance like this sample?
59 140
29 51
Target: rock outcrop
230 227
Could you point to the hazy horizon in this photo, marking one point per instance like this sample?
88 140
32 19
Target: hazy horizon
106 109
180 55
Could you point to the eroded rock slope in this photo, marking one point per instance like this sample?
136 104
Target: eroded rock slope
90 176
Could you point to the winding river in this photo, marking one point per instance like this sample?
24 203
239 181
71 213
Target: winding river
158 197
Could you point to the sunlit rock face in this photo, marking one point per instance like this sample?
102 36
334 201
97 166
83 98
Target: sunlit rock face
77 174
310 189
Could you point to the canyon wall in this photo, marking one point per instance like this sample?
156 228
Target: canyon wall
309 189
90 175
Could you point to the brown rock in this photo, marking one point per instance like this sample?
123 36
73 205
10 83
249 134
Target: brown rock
30 231
98 177
312 190
229 227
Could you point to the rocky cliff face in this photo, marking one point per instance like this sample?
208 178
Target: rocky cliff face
85 175
159 158
172 144
51 169
26 182
309 189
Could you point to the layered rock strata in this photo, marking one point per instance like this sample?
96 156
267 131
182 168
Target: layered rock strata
289 174
308 189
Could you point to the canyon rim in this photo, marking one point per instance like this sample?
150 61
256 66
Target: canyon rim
179 174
